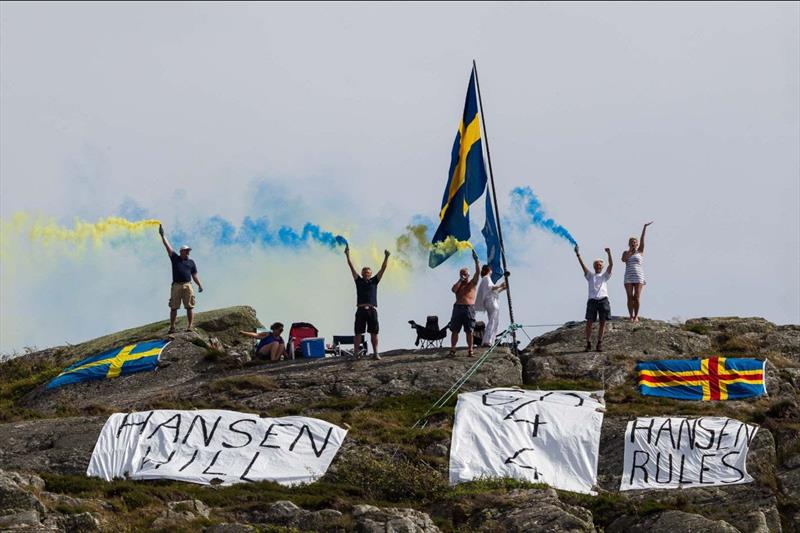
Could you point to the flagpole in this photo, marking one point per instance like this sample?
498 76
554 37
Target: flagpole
496 210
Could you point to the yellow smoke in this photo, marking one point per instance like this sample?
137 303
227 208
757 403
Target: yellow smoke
48 232
414 243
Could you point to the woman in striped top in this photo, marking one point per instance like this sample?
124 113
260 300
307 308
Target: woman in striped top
634 274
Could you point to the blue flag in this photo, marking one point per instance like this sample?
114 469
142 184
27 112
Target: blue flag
466 180
492 237
139 357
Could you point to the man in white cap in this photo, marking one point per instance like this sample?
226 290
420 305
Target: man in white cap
183 272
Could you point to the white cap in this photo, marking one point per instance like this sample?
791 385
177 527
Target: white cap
185 247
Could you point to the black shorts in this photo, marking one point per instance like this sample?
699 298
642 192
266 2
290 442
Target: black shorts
598 307
366 320
463 316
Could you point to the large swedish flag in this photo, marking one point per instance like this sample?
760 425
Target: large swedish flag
128 359
466 180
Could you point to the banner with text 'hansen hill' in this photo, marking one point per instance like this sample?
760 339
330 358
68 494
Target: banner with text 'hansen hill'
214 447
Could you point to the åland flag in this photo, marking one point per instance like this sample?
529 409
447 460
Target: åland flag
716 378
139 357
466 180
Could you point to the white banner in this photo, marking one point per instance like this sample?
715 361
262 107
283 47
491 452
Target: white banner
214 447
671 453
548 437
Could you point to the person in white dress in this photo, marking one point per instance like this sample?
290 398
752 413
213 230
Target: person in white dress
634 281
488 299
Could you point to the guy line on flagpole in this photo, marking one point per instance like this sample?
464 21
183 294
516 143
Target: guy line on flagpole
496 211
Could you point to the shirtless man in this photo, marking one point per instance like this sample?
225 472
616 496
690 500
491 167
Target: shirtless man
465 290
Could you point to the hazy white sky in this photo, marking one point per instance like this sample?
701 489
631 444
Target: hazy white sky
344 115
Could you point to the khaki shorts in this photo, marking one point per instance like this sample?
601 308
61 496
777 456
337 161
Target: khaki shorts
181 292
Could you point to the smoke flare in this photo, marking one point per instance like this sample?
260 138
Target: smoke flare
524 199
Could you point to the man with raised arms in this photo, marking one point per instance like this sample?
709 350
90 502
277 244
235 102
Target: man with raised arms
597 306
366 302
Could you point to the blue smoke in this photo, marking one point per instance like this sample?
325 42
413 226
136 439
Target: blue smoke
531 204
259 232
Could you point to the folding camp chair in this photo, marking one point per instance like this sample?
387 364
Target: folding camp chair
298 332
346 340
429 335
478 332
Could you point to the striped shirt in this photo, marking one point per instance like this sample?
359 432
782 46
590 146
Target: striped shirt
633 269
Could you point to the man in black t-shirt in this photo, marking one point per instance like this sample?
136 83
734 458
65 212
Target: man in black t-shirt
183 272
366 302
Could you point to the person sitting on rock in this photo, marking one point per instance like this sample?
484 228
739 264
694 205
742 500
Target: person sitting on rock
270 345
466 290
597 306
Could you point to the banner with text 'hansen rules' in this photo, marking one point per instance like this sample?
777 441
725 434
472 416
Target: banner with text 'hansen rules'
677 452
214 447
550 437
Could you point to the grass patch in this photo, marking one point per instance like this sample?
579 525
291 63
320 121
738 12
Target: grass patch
483 486
394 479
239 385
607 507
20 376
700 329
737 344
64 508
23 374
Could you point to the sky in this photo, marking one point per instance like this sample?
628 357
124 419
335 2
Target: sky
344 114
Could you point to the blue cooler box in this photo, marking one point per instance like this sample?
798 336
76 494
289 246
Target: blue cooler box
313 347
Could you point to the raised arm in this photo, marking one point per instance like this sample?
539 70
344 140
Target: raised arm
580 260
164 240
350 263
641 239
386 255
477 275
610 262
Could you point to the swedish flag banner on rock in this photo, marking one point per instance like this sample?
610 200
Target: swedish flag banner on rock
715 378
139 357
466 181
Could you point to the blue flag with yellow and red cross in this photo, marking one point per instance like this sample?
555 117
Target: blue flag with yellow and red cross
139 357
715 378
466 180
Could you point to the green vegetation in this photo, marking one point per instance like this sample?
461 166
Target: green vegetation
20 376
239 385
738 345
700 329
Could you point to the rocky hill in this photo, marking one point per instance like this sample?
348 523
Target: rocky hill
388 476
